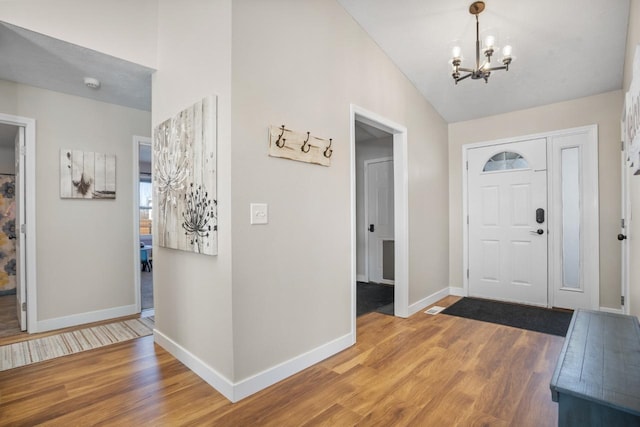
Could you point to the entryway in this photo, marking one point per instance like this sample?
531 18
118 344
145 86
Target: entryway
143 223
531 219
379 191
17 216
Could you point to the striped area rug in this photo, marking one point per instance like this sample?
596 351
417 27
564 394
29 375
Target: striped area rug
46 348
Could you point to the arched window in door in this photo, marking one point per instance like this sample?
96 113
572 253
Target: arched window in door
505 160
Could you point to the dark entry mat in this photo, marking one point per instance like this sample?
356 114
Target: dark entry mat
547 321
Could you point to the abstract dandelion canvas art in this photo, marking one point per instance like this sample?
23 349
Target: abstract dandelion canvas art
87 175
184 179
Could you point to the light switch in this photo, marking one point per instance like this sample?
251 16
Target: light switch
259 213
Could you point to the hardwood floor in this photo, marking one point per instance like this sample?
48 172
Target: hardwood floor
424 371
8 319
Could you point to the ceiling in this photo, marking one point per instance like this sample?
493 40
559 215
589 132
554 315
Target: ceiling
45 62
563 49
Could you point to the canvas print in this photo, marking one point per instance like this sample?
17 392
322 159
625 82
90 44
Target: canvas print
7 235
87 175
184 179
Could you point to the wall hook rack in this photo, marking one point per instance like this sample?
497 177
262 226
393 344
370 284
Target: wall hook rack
328 151
280 138
299 146
306 144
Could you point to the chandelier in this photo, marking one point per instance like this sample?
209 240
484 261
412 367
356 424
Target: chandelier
481 71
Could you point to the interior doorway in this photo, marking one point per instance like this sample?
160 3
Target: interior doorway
389 141
17 223
143 226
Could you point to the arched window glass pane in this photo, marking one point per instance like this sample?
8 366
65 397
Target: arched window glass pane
505 161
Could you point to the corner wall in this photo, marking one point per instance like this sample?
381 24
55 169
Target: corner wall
192 292
302 63
603 110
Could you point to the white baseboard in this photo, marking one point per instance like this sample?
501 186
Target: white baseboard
83 318
279 372
361 278
457 291
611 310
425 302
237 391
201 369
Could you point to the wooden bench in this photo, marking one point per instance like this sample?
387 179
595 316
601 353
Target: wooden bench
597 378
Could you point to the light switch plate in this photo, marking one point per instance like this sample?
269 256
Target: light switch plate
259 213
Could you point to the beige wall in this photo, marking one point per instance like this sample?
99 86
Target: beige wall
301 64
84 247
603 110
121 28
633 39
193 292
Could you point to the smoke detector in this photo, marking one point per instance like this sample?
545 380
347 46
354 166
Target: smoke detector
92 82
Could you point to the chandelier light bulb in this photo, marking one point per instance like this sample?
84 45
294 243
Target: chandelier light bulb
506 51
456 51
489 41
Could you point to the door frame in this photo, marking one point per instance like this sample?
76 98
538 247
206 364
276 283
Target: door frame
29 197
366 216
400 206
625 222
137 142
551 209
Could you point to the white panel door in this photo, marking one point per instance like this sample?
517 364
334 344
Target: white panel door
380 215
507 184
21 284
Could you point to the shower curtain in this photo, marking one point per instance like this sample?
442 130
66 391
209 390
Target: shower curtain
7 235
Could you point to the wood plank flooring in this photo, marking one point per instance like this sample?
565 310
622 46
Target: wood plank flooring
422 371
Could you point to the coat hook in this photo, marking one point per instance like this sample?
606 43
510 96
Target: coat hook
280 138
328 151
306 143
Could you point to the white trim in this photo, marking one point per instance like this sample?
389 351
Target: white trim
592 269
290 367
366 219
238 391
137 141
457 291
361 278
88 317
611 310
200 368
431 299
29 125
401 207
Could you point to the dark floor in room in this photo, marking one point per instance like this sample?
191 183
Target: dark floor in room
146 289
374 297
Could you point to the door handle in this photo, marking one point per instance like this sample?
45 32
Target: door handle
372 228
621 237
538 231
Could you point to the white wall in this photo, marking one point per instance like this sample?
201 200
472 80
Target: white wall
7 160
302 63
366 150
192 292
603 110
84 247
121 28
633 39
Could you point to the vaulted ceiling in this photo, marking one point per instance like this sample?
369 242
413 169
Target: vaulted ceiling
563 50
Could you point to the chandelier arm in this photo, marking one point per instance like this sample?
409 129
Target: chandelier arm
463 77
496 68
466 70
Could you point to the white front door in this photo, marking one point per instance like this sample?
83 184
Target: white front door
380 220
21 284
507 207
